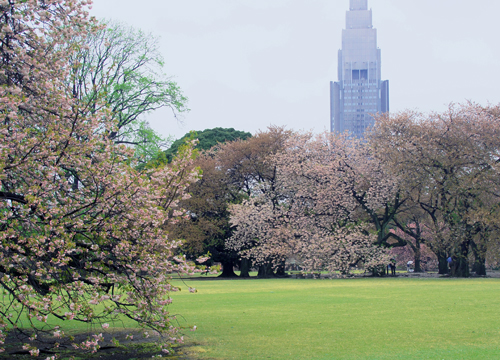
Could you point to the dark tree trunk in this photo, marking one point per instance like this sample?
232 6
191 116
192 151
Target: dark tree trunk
280 271
265 271
460 267
479 266
245 268
228 269
415 233
460 262
417 251
379 271
442 263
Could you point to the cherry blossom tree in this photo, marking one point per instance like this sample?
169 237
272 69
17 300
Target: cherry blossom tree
82 233
310 210
449 163
232 172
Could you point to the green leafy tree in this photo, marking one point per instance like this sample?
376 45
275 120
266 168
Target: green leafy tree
207 139
124 67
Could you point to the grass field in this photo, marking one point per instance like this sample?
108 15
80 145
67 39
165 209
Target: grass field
368 318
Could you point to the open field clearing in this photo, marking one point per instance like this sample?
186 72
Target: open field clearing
342 319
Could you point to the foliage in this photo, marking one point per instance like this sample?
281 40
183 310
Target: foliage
434 178
120 68
449 166
310 211
231 172
82 233
207 139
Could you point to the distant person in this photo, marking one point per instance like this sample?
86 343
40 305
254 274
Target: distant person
393 267
449 260
408 266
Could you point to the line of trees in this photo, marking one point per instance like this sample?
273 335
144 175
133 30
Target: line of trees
91 209
448 166
338 203
429 182
231 172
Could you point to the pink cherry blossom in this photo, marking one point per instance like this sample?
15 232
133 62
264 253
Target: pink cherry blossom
78 220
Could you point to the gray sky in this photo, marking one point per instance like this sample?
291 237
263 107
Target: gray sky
247 64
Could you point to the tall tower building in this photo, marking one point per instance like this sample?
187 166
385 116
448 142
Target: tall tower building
359 91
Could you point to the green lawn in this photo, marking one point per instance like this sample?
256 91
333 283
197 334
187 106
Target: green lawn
343 319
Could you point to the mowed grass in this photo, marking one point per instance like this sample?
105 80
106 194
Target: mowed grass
393 318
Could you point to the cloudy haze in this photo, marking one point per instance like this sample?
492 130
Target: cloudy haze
251 63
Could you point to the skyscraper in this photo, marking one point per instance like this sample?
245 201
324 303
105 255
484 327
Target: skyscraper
359 91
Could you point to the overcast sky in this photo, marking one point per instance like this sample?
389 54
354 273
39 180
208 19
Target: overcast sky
247 64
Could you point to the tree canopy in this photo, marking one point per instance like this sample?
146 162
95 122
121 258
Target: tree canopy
426 181
207 139
310 210
121 68
82 233
448 164
232 172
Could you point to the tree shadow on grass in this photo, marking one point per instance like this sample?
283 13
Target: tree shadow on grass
139 347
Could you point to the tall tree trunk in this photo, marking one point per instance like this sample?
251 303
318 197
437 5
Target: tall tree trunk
460 261
416 233
379 271
460 267
245 268
280 271
417 252
228 269
479 266
442 262
265 271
